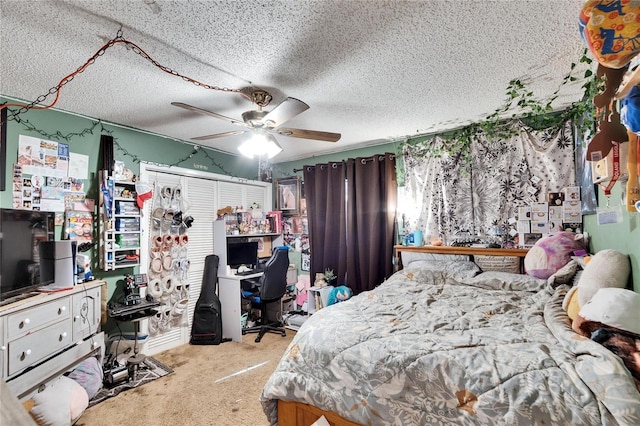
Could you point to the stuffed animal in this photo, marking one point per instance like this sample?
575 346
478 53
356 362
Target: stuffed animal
551 253
607 268
225 210
339 294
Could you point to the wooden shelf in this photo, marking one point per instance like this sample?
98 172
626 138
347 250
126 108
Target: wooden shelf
472 251
464 250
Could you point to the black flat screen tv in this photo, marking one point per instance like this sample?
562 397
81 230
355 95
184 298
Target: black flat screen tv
21 232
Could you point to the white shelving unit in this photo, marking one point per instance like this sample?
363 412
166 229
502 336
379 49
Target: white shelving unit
220 237
318 297
120 227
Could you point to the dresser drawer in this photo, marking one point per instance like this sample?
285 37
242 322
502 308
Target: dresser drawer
32 348
33 318
86 313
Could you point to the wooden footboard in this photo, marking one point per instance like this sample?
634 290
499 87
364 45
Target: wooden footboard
292 413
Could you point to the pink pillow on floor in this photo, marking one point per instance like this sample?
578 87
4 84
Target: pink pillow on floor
551 253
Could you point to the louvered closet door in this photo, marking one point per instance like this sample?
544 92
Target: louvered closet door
171 336
202 196
198 198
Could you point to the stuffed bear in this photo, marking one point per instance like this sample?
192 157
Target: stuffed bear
339 294
607 268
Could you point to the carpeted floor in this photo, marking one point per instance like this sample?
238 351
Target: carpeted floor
209 385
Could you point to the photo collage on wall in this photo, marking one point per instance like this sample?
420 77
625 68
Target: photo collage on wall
48 177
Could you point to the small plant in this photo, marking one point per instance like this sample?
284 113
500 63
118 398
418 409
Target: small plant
329 275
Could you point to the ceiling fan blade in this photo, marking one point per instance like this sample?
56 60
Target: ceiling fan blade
207 112
286 110
218 135
310 134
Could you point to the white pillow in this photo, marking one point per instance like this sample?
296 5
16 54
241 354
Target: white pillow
409 256
498 263
458 269
615 307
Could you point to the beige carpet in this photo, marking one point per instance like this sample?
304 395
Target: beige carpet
210 385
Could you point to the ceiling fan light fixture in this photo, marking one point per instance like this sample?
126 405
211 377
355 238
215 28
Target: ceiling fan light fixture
260 145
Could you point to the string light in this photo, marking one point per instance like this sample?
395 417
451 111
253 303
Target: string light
90 131
15 115
130 46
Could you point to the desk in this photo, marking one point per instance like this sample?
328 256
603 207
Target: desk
473 251
229 293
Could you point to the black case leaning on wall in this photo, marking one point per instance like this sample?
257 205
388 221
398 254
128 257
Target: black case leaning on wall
206 328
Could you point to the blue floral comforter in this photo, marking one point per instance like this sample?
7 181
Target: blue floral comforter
431 347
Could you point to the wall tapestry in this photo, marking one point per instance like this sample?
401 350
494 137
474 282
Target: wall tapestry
450 197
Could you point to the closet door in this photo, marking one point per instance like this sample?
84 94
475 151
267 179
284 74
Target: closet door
160 208
201 193
201 197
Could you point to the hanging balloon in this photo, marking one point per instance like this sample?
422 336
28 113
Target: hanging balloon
611 31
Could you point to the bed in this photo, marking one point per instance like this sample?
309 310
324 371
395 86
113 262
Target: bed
441 342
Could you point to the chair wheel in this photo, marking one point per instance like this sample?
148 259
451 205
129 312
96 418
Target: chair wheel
244 332
283 334
258 339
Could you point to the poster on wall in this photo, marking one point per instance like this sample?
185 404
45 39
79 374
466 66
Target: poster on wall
42 157
43 177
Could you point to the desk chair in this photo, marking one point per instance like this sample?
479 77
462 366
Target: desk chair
268 288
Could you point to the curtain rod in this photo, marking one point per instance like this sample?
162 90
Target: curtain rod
363 160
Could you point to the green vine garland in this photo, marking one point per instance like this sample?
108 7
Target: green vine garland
536 113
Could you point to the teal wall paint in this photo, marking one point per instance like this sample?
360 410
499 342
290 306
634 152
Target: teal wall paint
139 145
285 169
623 236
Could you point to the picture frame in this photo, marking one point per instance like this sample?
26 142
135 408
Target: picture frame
288 195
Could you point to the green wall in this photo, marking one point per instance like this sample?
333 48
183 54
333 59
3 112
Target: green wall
133 146
83 136
623 236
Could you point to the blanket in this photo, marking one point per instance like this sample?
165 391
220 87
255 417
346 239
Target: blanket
431 347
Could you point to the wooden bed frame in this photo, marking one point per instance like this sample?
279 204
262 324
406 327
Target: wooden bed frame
291 413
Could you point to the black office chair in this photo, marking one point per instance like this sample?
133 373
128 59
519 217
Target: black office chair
269 288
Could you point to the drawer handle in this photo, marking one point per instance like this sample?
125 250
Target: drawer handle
3 348
25 354
61 310
25 322
62 336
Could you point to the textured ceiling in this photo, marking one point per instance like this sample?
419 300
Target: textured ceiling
374 71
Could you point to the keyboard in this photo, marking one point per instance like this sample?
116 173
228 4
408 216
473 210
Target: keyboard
250 272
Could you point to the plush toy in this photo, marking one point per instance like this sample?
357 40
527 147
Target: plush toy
339 294
551 253
607 268
225 210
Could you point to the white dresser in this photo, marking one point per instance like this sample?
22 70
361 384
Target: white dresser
47 334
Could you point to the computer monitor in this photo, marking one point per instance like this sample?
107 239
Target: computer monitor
242 253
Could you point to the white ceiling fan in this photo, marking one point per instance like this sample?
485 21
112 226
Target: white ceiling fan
265 123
